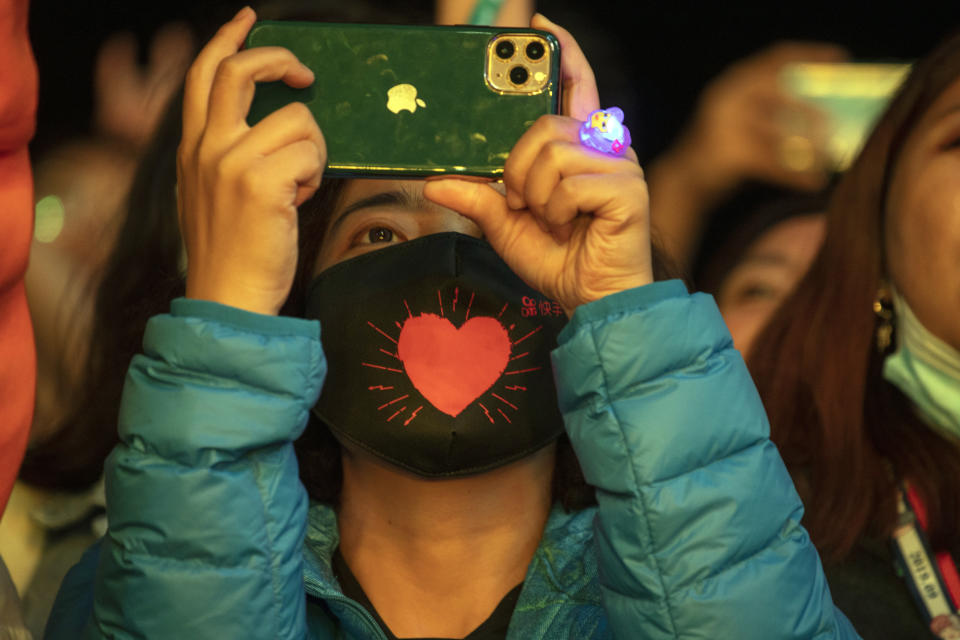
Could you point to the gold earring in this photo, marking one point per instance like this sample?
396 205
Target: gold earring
883 309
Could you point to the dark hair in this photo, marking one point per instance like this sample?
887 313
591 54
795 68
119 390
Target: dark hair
847 434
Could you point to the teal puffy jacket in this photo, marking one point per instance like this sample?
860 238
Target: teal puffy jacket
696 535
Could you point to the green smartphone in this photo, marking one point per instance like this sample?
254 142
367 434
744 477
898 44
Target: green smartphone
415 101
853 95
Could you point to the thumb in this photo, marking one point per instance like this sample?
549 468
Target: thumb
477 201
487 207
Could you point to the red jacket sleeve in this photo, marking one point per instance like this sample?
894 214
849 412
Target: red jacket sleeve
18 368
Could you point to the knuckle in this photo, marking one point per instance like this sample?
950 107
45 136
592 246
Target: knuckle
553 152
548 124
634 169
205 153
537 203
566 190
561 126
229 68
223 167
553 121
638 190
299 111
184 155
220 171
306 116
250 181
302 118
542 121
308 153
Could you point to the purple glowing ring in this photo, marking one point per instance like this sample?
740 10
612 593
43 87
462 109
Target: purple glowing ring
604 131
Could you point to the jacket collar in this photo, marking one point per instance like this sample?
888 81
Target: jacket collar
560 586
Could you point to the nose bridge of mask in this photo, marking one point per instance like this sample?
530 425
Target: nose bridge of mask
436 362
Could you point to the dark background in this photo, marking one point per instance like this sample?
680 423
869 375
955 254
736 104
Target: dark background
651 58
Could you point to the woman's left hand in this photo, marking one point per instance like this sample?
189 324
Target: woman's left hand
574 223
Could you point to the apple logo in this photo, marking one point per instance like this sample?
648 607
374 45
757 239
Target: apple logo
403 97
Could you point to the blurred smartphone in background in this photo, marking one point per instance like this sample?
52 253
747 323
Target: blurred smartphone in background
853 95
415 101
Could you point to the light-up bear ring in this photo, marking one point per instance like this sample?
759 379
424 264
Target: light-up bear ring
604 131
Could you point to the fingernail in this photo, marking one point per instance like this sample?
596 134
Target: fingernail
514 201
243 12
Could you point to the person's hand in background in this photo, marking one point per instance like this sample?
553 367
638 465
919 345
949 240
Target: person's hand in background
129 97
747 127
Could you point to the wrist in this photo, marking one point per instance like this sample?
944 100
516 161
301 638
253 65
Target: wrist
243 298
687 167
609 288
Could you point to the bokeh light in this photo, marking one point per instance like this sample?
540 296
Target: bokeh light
48 222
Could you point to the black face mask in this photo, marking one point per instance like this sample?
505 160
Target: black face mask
438 355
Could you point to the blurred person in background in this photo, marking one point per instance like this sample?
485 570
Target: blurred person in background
746 128
860 368
754 265
81 186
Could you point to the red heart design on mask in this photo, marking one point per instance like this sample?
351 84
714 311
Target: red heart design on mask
453 367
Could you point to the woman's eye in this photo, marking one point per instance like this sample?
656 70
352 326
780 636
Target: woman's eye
379 234
375 236
758 291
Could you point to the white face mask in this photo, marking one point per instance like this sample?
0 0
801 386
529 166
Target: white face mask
926 369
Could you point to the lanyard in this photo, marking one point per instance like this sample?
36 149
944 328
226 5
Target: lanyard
933 578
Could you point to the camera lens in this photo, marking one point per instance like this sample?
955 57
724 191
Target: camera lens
518 75
505 49
535 50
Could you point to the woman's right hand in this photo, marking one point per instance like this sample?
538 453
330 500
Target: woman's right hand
238 187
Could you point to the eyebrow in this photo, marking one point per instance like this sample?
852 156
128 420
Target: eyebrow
397 199
773 259
945 113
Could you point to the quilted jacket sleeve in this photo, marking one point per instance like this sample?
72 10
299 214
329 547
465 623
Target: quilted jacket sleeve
698 529
206 512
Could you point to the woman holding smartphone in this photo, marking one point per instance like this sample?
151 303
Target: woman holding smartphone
661 510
